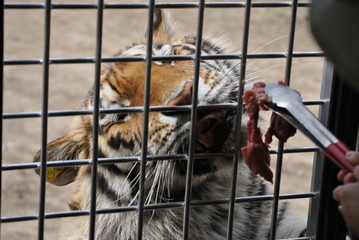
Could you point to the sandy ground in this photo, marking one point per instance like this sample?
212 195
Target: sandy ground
73 35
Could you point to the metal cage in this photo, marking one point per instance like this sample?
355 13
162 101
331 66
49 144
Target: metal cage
322 214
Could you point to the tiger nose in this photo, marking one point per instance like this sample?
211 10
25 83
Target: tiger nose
185 96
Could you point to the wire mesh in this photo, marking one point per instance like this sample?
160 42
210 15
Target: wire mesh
98 59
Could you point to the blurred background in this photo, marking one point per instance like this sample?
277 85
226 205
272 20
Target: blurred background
73 34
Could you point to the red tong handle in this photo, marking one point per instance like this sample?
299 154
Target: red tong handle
336 152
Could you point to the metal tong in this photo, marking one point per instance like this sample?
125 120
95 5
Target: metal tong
288 104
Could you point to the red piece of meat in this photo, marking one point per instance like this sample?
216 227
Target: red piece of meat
256 153
280 128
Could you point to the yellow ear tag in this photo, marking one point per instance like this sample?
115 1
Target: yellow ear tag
51 173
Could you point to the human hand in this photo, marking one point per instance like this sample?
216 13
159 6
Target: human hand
348 197
353 158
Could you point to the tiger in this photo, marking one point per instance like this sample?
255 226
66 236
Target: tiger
122 85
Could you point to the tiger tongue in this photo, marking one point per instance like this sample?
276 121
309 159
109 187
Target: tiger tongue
205 125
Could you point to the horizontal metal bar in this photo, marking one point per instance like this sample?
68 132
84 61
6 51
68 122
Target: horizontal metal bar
295 150
285 55
76 213
19 115
32 61
157 206
66 113
233 56
82 60
255 198
274 4
182 108
315 102
238 200
20 218
298 238
81 162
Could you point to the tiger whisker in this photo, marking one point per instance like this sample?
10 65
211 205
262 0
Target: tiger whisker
277 39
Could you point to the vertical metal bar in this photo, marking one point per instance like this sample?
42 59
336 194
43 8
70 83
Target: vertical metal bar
146 107
343 121
239 111
288 71
95 120
1 93
276 190
288 67
44 118
318 166
192 140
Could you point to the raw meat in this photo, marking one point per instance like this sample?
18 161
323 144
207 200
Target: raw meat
280 128
256 153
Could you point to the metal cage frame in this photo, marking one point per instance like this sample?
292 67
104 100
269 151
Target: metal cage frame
98 59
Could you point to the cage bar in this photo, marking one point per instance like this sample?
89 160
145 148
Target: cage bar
69 163
82 60
319 157
182 108
243 66
192 133
1 97
287 77
96 114
343 119
149 43
44 119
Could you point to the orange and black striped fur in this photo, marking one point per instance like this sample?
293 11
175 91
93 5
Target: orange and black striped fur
122 85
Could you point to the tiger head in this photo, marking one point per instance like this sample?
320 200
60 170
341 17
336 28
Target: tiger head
122 85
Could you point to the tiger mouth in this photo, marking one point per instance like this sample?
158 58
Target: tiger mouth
211 131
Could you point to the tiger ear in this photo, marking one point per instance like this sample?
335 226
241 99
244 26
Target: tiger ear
163 31
65 148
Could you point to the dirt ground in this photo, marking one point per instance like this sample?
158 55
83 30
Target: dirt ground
73 35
